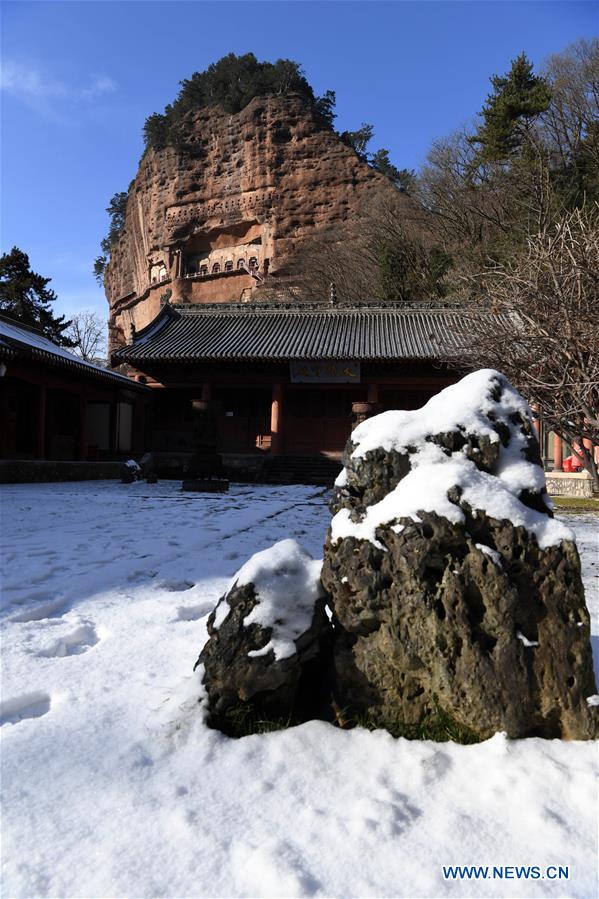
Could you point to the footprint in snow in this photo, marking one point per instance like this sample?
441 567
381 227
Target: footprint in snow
193 613
28 705
436 766
273 868
178 586
52 608
75 643
387 816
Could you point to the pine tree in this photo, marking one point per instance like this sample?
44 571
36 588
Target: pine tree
359 140
518 99
403 179
25 297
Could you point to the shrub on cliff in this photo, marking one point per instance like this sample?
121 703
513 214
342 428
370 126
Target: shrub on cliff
231 83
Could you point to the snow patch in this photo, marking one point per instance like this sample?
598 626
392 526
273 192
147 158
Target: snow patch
525 641
341 479
488 551
286 581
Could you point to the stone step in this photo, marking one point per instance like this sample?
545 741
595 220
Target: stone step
301 470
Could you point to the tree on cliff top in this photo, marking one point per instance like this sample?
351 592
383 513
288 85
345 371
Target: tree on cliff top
232 83
25 298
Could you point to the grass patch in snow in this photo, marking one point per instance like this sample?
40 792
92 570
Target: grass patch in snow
244 720
575 504
439 727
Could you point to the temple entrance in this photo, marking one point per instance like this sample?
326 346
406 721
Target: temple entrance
318 420
245 418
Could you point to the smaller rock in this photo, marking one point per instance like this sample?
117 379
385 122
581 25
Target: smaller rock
269 642
130 472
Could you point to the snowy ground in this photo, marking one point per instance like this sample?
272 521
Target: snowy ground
113 786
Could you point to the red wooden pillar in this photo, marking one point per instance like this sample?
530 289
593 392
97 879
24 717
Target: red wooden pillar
558 453
41 424
276 420
206 391
373 393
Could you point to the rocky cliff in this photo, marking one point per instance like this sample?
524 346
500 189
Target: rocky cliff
224 217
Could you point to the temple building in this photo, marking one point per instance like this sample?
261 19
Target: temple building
287 379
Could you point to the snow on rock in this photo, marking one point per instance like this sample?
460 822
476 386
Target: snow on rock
271 621
525 641
475 437
426 488
470 406
286 582
492 553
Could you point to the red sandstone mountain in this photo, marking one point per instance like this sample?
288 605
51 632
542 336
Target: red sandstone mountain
223 219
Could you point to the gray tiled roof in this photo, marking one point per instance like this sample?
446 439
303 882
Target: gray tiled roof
20 341
189 333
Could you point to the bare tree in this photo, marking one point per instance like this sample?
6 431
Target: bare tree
88 331
570 122
536 318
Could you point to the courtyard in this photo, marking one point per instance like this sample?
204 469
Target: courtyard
115 786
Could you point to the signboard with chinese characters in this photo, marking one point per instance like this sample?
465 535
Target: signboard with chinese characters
331 372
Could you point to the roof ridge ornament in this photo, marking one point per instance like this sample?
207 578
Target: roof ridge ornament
332 294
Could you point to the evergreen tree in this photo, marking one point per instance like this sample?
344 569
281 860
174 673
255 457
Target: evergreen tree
518 99
25 297
100 263
116 210
359 140
403 179
324 108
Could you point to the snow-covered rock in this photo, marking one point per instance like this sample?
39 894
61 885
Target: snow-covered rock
267 635
455 591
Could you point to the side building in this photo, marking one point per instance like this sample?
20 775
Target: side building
56 407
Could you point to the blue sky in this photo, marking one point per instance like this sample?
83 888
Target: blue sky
79 78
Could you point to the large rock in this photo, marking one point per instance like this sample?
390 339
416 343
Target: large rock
269 638
456 594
